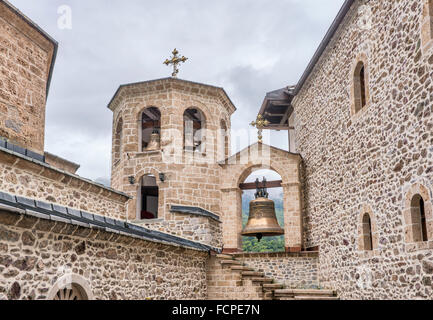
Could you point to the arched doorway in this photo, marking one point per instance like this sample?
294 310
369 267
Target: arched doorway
148 198
275 190
72 292
70 287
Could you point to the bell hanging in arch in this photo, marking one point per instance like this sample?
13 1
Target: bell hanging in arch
262 221
155 141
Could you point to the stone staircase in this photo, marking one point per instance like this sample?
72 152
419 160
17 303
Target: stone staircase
270 289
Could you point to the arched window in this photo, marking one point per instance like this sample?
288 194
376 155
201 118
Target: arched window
148 198
419 224
223 141
194 126
118 136
360 87
366 232
150 129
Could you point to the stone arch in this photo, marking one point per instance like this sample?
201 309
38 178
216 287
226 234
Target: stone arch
192 135
234 172
138 178
154 116
360 91
418 214
368 239
74 282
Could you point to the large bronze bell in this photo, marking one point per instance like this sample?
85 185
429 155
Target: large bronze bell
155 141
262 221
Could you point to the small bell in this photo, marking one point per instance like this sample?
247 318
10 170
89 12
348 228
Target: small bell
155 141
262 221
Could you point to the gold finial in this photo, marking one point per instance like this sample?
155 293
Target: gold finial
175 60
260 124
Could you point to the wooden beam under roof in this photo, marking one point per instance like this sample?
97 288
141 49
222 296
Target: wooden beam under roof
269 185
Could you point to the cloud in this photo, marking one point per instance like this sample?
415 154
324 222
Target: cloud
247 47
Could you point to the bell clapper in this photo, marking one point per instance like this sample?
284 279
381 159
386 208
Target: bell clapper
259 237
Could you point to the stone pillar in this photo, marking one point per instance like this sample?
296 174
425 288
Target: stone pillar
292 217
231 208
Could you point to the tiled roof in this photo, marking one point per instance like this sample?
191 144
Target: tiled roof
53 212
195 211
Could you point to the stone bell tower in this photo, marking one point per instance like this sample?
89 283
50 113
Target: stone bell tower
168 137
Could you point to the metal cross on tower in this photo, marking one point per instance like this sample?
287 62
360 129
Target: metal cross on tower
175 60
260 124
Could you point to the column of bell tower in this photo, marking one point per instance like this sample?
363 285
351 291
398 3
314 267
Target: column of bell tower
176 188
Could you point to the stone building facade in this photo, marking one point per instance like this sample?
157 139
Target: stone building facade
363 126
357 182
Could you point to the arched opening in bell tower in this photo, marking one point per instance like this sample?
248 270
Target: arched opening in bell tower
275 193
150 129
148 198
194 126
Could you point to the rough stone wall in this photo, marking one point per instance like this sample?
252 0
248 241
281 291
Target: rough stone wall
226 284
191 179
294 270
370 159
28 179
25 58
35 253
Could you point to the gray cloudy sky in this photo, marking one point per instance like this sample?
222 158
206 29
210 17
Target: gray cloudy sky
249 47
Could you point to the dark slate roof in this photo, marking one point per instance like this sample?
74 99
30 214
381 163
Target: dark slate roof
25 152
40 159
195 211
53 212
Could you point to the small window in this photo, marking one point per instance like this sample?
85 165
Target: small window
148 198
150 129
419 224
366 233
194 125
360 87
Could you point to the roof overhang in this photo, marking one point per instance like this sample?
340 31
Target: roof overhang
277 108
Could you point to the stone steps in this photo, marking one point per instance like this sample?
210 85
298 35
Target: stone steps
231 262
315 298
261 279
274 291
307 294
241 268
272 286
224 256
252 274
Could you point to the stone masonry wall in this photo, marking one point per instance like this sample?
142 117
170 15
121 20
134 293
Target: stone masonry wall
294 270
28 179
25 59
35 253
371 158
